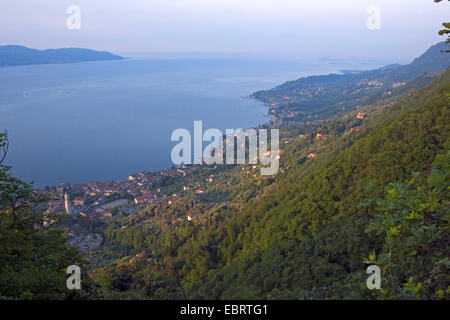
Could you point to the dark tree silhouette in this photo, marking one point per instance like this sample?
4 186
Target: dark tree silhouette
446 29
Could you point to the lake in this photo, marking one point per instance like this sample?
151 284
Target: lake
105 120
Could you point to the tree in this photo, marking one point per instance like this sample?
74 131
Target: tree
446 29
33 259
414 221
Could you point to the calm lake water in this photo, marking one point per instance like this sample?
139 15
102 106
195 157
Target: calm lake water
105 120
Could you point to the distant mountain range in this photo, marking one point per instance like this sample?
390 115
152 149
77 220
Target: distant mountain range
320 97
13 55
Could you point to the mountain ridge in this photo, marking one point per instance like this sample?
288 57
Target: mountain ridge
16 55
321 97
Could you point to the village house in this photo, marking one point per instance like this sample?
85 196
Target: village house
174 198
200 190
78 187
280 152
141 256
361 115
143 199
106 215
109 192
132 177
61 187
79 201
375 83
398 84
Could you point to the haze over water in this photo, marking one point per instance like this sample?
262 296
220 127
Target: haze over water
105 120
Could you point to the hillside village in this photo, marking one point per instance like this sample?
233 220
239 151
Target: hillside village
98 198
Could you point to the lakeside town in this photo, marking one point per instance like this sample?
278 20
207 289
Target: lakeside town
101 197
101 200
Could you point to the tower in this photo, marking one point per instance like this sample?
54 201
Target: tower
67 203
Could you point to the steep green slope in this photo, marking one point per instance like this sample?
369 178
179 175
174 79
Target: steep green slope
311 232
288 237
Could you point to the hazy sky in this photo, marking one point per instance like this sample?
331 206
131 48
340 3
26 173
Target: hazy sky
319 28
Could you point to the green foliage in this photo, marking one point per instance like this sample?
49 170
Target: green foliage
446 29
414 221
33 259
131 278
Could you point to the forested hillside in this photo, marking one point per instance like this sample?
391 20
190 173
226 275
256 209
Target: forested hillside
308 233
